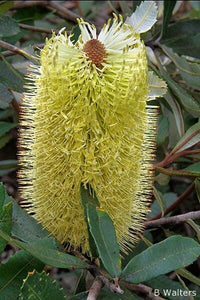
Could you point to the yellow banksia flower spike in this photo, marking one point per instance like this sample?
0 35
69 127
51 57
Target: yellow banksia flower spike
85 119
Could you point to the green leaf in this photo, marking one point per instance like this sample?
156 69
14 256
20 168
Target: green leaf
197 187
14 271
45 252
161 201
188 275
81 283
75 33
5 96
190 72
5 127
2 196
144 17
86 198
5 224
169 198
5 139
5 6
157 87
190 138
184 37
176 110
195 226
8 26
8 164
193 167
10 77
189 103
25 227
138 248
173 253
40 286
103 233
168 9
163 130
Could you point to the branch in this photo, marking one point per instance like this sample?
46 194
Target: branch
38 29
173 220
171 207
23 4
113 287
49 5
141 288
95 289
171 158
62 11
17 50
177 172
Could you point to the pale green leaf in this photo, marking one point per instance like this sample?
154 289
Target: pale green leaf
144 17
176 112
190 138
190 72
157 87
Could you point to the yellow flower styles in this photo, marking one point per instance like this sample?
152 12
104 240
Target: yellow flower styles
85 119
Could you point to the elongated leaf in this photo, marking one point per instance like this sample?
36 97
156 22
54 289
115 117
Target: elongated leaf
103 233
51 256
144 17
189 103
25 227
193 167
184 37
188 275
81 283
168 9
190 72
5 96
173 253
157 87
177 113
160 200
9 76
5 127
195 227
8 164
163 130
5 224
8 26
85 199
2 196
14 271
190 138
40 286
